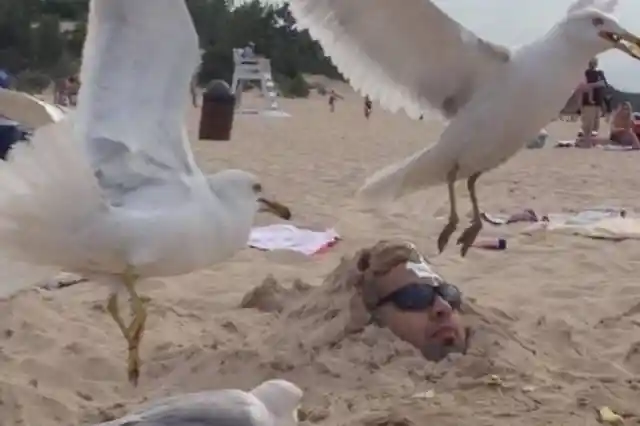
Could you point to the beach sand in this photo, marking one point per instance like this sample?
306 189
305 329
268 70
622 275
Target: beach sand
559 316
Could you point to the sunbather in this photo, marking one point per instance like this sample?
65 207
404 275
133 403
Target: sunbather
622 132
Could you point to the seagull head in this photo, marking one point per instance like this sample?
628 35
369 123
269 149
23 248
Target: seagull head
600 32
282 399
238 185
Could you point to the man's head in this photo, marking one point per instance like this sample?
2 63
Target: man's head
593 63
402 293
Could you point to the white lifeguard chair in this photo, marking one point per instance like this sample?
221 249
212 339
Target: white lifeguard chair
255 69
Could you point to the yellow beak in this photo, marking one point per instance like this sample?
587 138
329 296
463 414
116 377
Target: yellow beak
625 41
274 207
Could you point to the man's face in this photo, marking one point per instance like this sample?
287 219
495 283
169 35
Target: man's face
436 330
593 64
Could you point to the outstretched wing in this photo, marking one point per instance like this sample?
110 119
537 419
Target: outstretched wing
408 55
138 60
28 110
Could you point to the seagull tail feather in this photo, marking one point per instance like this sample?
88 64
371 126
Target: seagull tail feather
418 171
47 193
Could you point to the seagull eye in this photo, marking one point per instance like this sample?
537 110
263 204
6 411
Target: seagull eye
597 22
257 188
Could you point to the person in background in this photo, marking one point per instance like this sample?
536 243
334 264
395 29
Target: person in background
333 97
367 106
622 128
73 87
249 51
607 106
5 80
60 87
592 99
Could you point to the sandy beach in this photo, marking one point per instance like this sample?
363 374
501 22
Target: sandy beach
561 312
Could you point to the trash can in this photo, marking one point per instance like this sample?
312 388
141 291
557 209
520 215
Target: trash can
216 116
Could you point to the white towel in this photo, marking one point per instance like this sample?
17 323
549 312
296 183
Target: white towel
290 237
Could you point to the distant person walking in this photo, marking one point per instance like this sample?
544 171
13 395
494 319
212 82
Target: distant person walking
333 97
592 99
367 106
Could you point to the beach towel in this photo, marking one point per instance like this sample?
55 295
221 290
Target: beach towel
617 148
599 223
290 237
614 229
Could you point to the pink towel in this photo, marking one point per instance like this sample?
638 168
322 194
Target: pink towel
290 237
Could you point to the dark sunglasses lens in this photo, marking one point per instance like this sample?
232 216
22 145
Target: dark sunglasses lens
414 297
418 297
451 294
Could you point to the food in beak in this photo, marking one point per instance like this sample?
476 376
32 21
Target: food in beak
274 207
625 42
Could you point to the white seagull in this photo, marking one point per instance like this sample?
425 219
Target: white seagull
112 192
410 55
273 403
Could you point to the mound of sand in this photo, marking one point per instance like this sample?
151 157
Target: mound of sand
355 373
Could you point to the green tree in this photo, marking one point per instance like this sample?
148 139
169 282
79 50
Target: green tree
48 42
31 39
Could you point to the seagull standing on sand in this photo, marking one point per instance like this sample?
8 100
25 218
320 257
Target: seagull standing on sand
273 403
112 192
410 55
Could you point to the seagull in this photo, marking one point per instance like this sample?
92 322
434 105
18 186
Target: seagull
273 403
28 110
112 191
412 56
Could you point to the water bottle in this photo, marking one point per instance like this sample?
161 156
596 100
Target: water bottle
492 244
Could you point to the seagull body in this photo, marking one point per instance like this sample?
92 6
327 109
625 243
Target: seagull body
415 57
273 403
112 191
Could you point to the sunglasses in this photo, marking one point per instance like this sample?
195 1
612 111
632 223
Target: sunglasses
421 296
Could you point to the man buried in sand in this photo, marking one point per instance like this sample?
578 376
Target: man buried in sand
401 291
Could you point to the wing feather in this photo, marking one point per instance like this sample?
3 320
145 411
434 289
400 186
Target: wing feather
219 408
408 55
138 59
28 110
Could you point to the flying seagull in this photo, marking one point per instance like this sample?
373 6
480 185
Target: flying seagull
273 403
410 55
112 191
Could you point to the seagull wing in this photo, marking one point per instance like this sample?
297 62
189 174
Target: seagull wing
219 408
408 55
28 110
138 60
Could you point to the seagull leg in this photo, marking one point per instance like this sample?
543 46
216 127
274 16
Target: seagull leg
451 226
136 328
470 234
112 308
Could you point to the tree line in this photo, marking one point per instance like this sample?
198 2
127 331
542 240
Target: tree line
41 40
